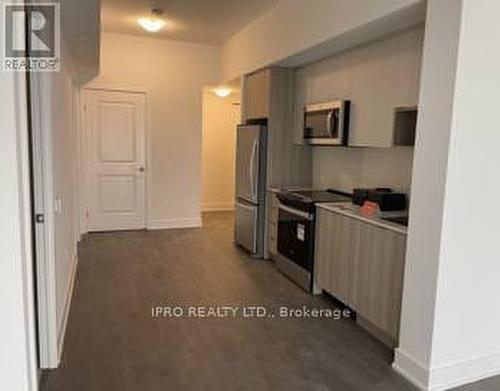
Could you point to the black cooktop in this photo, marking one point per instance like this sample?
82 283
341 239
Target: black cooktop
322 195
305 199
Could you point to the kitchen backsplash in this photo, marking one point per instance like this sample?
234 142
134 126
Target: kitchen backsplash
347 168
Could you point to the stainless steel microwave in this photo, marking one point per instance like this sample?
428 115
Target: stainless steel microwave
327 123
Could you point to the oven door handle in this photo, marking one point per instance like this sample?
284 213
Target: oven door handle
296 212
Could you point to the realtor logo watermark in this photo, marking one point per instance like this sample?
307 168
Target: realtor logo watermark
32 37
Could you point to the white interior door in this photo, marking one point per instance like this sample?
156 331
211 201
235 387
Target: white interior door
116 165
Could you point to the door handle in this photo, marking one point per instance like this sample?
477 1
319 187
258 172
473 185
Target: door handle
296 212
142 169
252 166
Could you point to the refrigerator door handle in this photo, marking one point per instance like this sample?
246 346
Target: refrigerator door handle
252 167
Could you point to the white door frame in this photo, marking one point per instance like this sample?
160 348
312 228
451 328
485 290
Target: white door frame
44 232
18 367
85 151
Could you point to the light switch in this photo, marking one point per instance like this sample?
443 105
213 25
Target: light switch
58 205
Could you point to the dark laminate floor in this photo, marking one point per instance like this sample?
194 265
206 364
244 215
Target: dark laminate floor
113 343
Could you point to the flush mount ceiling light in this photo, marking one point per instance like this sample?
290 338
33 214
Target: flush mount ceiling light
222 92
153 23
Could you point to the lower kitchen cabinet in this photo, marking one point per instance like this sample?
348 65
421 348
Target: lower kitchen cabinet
378 277
362 265
335 251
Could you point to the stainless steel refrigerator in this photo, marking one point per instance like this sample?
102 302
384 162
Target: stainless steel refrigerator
250 206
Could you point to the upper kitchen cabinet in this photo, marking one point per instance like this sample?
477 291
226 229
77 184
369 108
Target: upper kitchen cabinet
372 95
257 94
379 79
268 95
408 68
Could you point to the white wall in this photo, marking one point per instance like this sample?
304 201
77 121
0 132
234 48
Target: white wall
220 117
468 283
348 168
55 97
429 172
450 321
173 75
17 334
294 26
332 78
64 135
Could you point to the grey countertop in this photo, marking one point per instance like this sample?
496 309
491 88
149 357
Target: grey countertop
351 210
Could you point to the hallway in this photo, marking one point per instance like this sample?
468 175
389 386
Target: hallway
114 343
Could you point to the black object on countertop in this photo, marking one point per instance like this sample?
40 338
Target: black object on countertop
306 199
386 199
359 196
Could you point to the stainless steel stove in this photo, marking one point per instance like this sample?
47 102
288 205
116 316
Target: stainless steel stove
296 223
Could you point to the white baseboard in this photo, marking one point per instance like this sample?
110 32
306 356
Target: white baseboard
217 206
410 369
61 330
448 376
174 223
465 372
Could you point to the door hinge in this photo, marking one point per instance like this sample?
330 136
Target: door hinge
39 218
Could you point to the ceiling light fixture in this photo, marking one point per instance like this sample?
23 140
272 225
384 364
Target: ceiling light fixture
154 23
222 92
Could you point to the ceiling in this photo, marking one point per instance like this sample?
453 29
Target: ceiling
80 25
207 21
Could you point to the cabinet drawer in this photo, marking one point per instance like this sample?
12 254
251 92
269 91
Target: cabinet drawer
273 208
274 203
273 216
272 230
273 246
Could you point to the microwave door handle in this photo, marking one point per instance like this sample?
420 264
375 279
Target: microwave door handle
329 123
333 122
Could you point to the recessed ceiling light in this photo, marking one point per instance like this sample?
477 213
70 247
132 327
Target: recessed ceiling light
222 92
153 23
